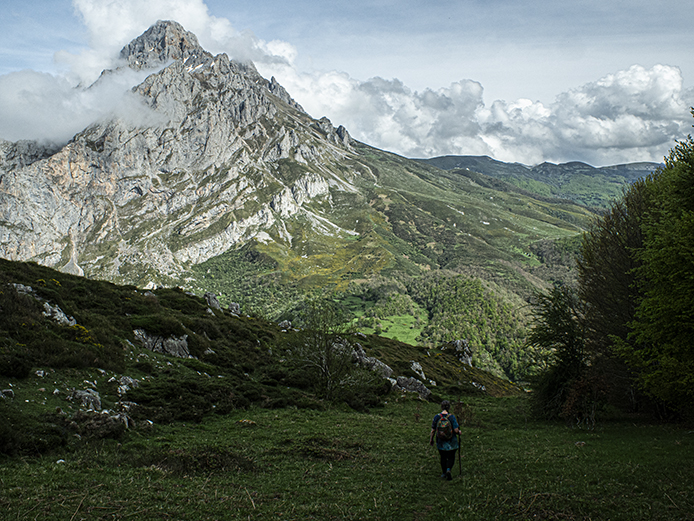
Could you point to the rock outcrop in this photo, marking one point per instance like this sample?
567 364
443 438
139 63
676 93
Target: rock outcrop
221 156
162 43
462 350
172 346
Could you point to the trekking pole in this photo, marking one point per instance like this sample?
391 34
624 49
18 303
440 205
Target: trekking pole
460 463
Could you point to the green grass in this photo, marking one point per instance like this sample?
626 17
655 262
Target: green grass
336 464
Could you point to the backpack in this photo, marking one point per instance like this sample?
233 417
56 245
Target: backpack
444 428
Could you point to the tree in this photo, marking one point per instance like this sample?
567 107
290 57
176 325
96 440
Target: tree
322 348
558 333
606 268
607 284
661 345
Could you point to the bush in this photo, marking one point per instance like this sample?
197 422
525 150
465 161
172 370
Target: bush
15 365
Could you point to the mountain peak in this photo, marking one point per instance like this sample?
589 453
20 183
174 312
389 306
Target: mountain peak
165 41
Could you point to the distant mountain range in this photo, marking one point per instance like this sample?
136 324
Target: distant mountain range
229 159
224 183
576 181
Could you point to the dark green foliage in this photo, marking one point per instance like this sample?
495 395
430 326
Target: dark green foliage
15 361
558 332
607 264
557 259
240 362
250 279
158 325
322 348
462 307
449 306
204 461
29 434
660 347
27 336
631 319
182 397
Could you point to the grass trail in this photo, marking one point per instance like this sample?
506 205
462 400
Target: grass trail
297 464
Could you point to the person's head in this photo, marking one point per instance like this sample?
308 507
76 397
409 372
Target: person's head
445 405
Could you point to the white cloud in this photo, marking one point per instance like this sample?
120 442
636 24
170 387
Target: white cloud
113 24
631 115
54 108
44 107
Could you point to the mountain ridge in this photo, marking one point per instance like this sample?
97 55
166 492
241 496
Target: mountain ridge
228 158
223 183
575 180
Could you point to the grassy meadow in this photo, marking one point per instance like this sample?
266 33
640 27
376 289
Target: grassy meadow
340 464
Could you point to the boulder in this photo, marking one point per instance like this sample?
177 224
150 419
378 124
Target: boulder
417 368
88 398
414 386
58 315
285 324
125 384
374 364
462 350
172 346
90 424
212 301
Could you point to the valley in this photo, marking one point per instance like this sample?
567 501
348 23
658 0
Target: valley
231 187
222 307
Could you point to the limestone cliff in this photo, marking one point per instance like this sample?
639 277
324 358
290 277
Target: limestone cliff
139 203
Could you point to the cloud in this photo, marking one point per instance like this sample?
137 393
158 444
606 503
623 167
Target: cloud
54 108
43 107
113 24
632 115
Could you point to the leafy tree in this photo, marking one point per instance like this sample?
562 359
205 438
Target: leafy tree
463 307
558 332
660 346
636 277
606 267
322 348
607 284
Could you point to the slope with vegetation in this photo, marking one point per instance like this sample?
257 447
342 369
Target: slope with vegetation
230 362
336 465
237 190
591 186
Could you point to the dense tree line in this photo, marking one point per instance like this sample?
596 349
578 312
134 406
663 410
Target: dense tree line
462 307
633 304
454 307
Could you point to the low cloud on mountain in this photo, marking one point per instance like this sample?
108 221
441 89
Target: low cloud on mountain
44 107
631 115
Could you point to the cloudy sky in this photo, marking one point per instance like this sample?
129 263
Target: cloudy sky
601 81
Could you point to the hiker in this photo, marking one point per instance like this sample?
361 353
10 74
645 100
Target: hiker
444 428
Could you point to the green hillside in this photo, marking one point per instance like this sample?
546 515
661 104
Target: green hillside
237 432
575 181
232 362
417 229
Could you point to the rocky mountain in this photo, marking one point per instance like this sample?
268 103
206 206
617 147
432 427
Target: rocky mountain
576 181
223 180
203 177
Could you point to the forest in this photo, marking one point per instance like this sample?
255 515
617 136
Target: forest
622 335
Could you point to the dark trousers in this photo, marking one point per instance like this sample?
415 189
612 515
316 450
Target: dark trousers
447 459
